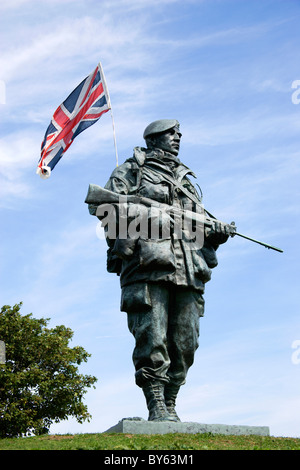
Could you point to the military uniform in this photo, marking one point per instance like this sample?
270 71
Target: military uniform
162 280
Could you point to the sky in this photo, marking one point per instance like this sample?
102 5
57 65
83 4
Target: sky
229 72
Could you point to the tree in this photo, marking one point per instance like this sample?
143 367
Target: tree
40 383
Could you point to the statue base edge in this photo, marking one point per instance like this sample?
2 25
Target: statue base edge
141 426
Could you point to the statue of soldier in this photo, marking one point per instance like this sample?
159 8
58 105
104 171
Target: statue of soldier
162 280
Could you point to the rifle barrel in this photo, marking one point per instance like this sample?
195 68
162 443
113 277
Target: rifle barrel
270 247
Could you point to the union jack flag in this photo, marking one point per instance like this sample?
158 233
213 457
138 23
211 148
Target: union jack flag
83 107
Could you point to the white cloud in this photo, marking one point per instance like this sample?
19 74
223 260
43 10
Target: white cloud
252 124
70 41
13 4
18 5
18 152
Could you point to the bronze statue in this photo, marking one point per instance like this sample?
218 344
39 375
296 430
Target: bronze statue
162 277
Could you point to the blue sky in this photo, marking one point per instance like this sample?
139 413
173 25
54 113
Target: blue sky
224 69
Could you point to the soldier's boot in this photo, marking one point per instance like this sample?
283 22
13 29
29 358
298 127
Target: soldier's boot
154 394
171 392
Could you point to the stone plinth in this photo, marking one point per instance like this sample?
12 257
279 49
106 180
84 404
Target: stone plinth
141 426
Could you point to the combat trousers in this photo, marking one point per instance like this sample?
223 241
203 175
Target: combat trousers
165 325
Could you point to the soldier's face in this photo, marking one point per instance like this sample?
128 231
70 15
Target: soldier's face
169 141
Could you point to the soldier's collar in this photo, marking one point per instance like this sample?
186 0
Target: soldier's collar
141 153
162 156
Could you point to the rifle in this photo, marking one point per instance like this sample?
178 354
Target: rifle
97 195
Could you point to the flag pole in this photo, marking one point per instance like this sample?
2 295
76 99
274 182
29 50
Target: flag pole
115 140
111 113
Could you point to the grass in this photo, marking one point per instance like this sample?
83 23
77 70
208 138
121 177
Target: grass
117 442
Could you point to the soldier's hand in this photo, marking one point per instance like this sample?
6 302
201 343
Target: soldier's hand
218 233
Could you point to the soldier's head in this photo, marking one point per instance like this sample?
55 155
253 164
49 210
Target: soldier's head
163 134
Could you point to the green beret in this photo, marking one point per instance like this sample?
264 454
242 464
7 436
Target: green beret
161 125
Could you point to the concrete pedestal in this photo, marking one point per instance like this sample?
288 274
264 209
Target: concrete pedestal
141 426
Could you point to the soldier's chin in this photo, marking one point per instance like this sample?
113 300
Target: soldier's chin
172 150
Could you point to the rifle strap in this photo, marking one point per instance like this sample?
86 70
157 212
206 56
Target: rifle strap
185 191
177 185
141 163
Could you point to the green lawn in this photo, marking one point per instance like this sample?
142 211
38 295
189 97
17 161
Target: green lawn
105 441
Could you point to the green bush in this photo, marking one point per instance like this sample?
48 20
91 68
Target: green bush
40 383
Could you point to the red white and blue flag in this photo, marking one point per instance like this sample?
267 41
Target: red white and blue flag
83 107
